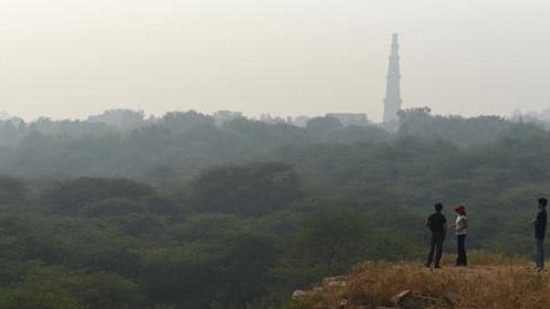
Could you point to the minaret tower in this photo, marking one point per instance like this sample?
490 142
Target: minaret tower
392 102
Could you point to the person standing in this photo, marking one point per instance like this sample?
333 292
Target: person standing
540 230
437 223
461 225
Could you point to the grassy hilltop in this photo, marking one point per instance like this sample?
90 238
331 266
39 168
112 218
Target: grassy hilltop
492 281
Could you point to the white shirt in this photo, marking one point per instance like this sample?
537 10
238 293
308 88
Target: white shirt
461 225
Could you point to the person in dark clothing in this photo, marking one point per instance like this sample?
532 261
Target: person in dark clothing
540 230
437 223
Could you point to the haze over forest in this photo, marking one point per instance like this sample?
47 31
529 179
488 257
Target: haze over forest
75 58
191 211
138 172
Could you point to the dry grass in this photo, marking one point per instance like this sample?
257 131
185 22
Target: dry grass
492 281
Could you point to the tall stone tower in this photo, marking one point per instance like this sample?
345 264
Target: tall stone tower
392 102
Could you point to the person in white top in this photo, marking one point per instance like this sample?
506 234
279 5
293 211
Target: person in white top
461 226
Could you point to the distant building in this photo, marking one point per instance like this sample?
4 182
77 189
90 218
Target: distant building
120 118
221 117
350 119
392 102
300 121
267 118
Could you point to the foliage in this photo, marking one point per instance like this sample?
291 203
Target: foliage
186 211
12 190
246 190
54 288
70 197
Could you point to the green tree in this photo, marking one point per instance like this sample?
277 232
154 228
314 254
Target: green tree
12 190
334 237
69 197
247 190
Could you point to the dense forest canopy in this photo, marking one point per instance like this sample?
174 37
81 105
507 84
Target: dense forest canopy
221 211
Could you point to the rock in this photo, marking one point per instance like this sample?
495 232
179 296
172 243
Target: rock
338 281
450 299
299 294
343 303
407 300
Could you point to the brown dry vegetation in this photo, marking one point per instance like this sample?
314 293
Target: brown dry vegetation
493 281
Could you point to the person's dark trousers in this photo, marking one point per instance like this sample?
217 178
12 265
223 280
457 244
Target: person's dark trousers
436 246
539 256
461 259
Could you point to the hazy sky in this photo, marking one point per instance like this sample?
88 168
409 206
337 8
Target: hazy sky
74 58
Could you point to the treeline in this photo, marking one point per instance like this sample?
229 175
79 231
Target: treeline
173 147
179 144
187 212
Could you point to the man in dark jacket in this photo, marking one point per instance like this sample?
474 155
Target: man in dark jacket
540 230
437 223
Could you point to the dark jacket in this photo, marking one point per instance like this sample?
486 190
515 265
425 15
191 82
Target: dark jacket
540 224
436 222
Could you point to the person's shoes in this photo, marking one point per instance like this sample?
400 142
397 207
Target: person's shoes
437 266
428 265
